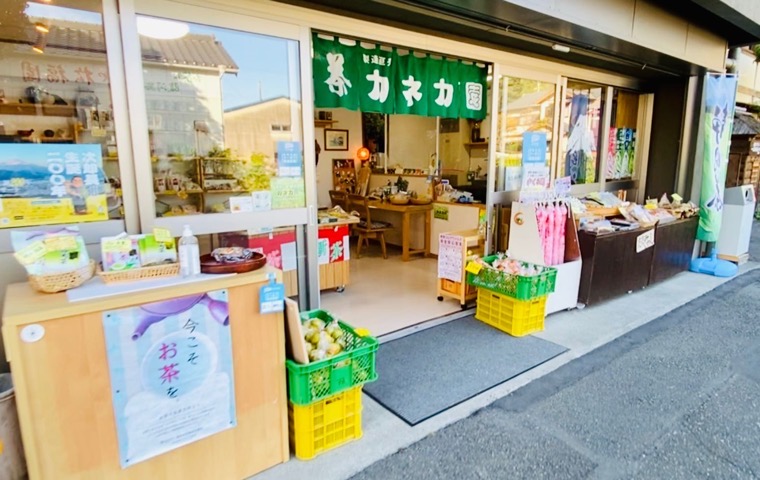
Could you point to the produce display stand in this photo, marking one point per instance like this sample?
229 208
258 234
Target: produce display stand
325 396
279 248
471 245
525 244
612 266
673 248
64 389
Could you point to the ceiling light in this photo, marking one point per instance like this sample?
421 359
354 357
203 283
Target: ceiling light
41 27
560 48
161 29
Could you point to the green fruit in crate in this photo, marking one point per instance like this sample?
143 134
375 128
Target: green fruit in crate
342 342
318 377
333 349
317 324
314 338
317 354
361 375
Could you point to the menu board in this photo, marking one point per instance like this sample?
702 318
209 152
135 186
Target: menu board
44 184
450 259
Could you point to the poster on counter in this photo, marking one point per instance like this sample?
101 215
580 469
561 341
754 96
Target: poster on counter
450 261
170 364
45 184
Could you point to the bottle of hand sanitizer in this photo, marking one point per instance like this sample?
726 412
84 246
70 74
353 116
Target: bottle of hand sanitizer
189 254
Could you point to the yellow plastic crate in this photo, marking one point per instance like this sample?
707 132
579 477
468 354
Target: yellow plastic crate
325 424
516 317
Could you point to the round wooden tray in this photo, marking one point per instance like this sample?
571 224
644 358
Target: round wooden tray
395 201
210 265
421 201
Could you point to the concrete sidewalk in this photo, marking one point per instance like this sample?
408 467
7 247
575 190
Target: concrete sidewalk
676 398
582 331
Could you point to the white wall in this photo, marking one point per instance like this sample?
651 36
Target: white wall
412 141
640 22
345 120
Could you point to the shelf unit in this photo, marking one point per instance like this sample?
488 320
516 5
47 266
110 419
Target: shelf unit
196 169
37 109
324 123
344 175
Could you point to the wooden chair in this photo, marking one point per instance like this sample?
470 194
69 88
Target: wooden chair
339 198
367 229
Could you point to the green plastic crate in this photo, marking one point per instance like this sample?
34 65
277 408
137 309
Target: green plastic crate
515 286
352 367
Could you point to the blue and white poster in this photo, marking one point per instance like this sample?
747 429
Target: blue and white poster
535 172
289 159
171 373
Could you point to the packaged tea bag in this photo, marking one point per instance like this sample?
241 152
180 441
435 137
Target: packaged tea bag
119 253
154 252
52 251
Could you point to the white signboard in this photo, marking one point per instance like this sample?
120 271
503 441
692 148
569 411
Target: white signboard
450 261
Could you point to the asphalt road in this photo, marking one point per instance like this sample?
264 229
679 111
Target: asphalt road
676 398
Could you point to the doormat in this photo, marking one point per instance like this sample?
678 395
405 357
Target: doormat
428 372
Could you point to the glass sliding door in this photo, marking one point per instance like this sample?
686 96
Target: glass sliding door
220 131
582 118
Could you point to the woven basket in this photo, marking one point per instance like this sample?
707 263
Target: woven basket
59 282
142 273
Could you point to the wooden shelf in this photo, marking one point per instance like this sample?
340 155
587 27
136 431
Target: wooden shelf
324 123
37 109
167 193
476 144
225 191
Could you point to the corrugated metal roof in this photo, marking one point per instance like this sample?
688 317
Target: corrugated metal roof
192 50
745 124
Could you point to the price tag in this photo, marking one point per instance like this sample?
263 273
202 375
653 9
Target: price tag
474 268
61 242
31 253
272 296
162 235
117 245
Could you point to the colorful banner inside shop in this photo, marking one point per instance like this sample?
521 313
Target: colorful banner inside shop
382 80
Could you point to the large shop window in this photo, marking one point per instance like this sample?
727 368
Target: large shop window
224 112
581 132
526 113
58 152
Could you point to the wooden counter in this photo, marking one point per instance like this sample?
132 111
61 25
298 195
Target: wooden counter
65 404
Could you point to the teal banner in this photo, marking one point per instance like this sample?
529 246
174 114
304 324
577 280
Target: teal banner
720 99
473 94
380 80
375 81
411 77
443 87
335 75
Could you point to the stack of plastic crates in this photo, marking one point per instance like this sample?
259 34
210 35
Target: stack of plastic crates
325 407
514 304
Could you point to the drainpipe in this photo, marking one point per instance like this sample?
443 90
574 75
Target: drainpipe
732 61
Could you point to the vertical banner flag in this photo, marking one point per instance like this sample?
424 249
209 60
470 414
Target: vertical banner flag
720 99
473 97
411 77
380 80
375 82
335 75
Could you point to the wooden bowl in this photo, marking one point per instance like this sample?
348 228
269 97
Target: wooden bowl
421 201
210 265
399 200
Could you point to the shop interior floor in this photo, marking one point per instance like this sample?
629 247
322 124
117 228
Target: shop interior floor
430 371
388 295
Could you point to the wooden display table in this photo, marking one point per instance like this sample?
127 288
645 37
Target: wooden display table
673 248
406 212
66 401
611 265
